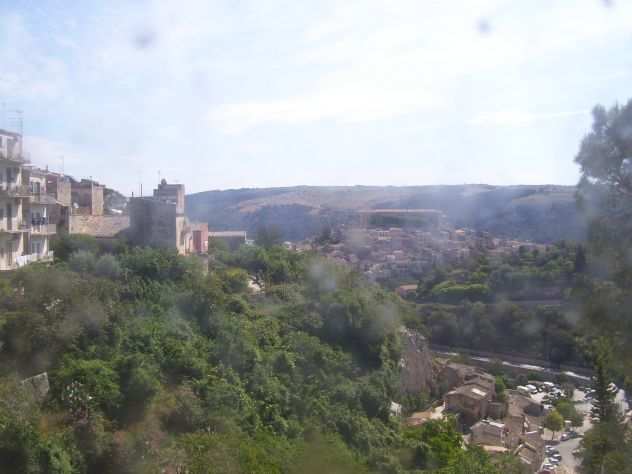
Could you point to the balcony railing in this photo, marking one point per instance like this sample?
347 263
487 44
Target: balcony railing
42 228
16 227
13 157
15 190
42 198
33 257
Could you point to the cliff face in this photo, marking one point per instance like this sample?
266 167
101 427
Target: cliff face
417 371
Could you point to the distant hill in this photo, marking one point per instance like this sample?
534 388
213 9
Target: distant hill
541 213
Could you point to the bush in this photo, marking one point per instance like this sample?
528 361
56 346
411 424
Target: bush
96 381
66 245
82 261
108 266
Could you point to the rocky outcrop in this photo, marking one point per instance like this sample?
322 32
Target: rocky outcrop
417 370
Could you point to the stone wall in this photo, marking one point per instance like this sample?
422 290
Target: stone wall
154 223
98 226
88 197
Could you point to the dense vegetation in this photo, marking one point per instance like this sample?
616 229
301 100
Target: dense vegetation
157 366
605 196
523 303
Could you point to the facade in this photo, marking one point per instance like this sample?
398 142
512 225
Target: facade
10 145
26 225
473 395
14 207
159 221
489 433
469 401
200 234
87 198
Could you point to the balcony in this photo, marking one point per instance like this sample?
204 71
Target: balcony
42 227
15 190
33 257
14 157
43 199
16 228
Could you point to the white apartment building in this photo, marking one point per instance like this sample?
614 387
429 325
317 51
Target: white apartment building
24 207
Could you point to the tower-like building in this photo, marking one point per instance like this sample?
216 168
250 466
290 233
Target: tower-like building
160 221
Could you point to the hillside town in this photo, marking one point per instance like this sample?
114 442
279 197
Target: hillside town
394 245
36 204
402 244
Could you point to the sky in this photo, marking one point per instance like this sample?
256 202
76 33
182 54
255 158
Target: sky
260 93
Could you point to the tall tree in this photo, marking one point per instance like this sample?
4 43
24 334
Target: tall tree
605 187
605 195
604 407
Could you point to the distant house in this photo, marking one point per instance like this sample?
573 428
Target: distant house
454 374
489 433
530 454
469 401
406 290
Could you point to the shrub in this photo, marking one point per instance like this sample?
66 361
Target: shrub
108 266
82 261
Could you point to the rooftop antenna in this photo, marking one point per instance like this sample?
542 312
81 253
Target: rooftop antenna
16 117
63 163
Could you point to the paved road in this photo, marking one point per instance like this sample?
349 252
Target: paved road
566 448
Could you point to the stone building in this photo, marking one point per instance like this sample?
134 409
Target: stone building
87 198
469 402
200 233
159 221
488 433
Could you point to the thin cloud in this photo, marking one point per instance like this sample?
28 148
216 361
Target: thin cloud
517 118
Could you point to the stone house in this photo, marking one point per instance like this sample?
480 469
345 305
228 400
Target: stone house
489 433
160 221
468 401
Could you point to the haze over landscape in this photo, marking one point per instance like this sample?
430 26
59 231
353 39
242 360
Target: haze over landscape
228 94
290 237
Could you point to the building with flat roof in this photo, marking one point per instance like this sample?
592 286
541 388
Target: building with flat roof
159 221
27 221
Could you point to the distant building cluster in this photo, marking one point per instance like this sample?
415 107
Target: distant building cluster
511 424
403 244
36 204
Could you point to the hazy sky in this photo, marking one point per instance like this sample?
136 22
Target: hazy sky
240 93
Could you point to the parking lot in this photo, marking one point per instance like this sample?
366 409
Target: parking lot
564 445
